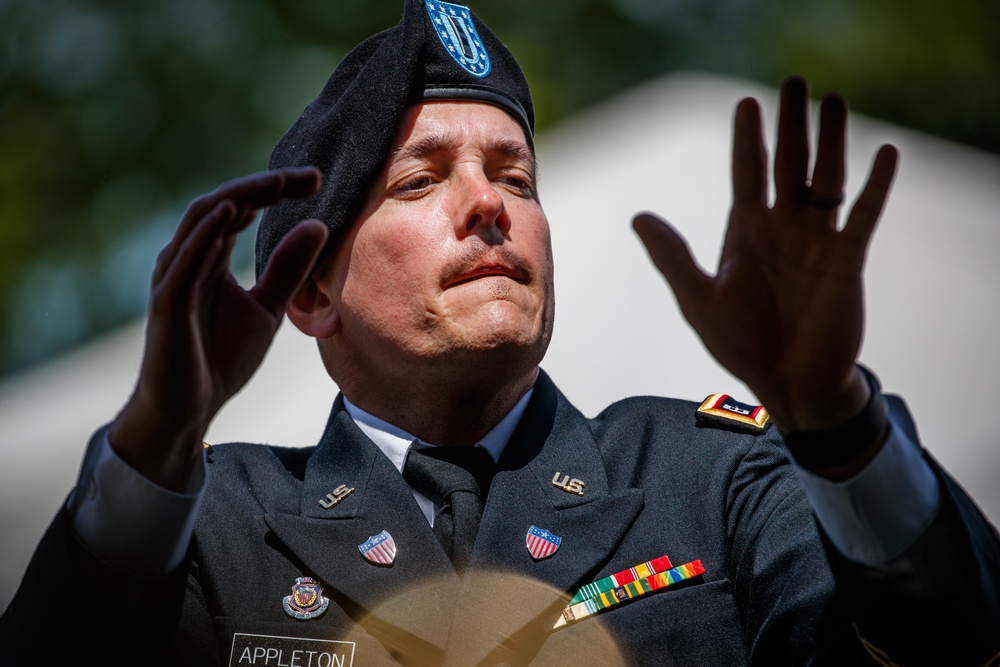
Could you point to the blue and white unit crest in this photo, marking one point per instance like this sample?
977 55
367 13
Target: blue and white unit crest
454 26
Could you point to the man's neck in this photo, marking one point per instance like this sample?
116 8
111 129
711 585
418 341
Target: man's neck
439 413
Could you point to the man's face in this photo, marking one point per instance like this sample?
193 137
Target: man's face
450 260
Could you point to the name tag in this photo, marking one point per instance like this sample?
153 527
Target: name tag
268 651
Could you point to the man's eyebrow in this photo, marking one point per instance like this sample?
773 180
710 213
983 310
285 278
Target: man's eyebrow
514 149
421 148
435 143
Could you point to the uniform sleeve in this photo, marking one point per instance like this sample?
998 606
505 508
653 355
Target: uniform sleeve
937 602
934 601
127 521
876 515
778 566
73 603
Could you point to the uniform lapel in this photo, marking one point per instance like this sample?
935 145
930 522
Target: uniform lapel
326 540
506 598
553 437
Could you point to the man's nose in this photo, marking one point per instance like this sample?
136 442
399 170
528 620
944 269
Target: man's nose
482 209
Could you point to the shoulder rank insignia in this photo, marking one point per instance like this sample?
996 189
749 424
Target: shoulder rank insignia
721 411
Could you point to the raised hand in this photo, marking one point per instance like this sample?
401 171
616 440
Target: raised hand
785 310
206 335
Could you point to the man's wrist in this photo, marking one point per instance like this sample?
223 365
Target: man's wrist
877 514
160 451
845 444
127 521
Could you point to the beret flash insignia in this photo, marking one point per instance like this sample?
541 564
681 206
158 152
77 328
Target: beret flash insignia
722 411
453 24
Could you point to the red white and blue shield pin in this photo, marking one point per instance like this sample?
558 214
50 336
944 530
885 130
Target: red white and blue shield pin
541 543
306 600
379 549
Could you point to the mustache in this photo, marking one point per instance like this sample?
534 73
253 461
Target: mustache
474 258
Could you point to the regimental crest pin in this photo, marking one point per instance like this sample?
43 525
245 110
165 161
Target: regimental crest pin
379 549
541 543
453 24
306 600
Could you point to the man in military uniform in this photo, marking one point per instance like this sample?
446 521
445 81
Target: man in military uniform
458 510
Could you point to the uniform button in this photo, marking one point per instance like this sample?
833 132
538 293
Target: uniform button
90 488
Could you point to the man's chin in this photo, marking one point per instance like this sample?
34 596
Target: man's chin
501 348
506 348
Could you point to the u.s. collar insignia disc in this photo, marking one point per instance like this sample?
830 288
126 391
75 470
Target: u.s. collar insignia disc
306 600
541 543
453 24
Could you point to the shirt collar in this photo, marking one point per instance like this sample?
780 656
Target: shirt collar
395 442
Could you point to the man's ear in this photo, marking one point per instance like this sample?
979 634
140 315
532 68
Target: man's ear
312 310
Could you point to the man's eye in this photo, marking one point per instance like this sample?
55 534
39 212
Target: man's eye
413 184
518 182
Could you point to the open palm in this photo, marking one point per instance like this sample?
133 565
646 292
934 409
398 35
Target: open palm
785 310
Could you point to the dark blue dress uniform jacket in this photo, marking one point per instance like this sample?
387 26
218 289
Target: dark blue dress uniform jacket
655 483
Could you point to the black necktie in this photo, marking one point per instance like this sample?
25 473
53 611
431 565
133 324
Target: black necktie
456 479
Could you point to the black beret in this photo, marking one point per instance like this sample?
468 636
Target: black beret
439 50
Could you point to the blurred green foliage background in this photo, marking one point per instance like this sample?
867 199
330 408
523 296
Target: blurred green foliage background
114 114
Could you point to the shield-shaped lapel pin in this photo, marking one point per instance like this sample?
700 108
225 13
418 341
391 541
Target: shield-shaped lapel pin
306 600
541 543
379 549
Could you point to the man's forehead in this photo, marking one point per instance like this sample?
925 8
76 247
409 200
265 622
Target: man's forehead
431 126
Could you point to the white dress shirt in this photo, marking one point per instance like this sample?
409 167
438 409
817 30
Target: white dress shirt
395 443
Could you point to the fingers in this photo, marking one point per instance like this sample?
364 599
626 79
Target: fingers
290 264
868 209
246 195
749 157
672 258
791 157
217 265
202 245
195 257
829 172
823 193
298 182
259 190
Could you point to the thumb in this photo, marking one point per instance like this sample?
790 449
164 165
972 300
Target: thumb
671 256
290 264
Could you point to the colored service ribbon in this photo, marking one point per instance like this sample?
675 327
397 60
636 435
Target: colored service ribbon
631 590
606 584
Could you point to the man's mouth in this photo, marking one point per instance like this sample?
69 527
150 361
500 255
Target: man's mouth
486 271
492 264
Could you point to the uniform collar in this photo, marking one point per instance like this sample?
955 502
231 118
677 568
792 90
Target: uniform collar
395 442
